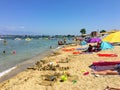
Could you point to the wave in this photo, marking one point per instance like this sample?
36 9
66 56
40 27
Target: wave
59 47
7 71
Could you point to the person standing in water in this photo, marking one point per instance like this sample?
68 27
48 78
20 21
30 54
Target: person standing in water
4 42
64 41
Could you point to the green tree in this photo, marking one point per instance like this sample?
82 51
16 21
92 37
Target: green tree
83 31
102 31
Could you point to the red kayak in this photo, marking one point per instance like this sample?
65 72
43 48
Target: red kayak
107 55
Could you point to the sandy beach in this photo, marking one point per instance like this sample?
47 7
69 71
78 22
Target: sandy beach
46 74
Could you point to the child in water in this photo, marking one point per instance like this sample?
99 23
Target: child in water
4 42
14 52
4 52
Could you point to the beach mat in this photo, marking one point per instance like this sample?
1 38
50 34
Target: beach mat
107 55
77 52
106 63
67 50
99 66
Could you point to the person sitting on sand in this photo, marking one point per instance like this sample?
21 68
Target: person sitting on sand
97 47
64 41
115 71
90 48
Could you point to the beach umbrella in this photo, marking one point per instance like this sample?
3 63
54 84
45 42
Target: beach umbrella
94 40
112 38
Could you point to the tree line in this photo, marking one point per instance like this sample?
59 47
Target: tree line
93 33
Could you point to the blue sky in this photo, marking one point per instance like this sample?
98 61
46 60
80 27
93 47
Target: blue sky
58 16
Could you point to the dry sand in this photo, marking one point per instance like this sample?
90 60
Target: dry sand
60 63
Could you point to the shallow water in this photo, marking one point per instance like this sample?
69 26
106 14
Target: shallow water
17 51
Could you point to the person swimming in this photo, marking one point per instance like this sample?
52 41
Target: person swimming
4 42
50 47
4 52
14 52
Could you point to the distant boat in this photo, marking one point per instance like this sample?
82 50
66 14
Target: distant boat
17 38
28 39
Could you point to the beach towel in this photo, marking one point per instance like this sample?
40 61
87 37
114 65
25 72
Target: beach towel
99 66
77 52
70 49
107 55
106 63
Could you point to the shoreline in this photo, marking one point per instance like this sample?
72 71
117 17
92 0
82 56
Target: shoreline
20 67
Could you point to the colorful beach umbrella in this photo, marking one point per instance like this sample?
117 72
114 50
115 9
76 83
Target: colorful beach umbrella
114 37
94 40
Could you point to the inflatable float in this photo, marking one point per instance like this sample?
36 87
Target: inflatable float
107 55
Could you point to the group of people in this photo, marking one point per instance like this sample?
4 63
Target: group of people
62 42
4 52
94 48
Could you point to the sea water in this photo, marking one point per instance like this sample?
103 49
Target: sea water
14 52
18 51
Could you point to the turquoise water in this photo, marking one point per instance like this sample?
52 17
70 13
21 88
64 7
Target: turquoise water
24 50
